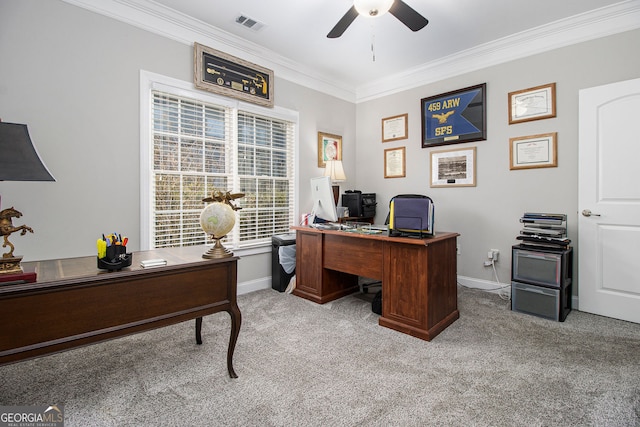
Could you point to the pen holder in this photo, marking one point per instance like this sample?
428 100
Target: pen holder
116 259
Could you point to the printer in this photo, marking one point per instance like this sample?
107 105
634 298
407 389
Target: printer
359 204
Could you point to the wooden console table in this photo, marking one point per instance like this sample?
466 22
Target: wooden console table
419 288
72 303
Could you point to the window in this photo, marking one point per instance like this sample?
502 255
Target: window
199 143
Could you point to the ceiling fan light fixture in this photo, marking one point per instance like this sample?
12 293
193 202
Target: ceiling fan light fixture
372 8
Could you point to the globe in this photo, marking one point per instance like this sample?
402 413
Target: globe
217 219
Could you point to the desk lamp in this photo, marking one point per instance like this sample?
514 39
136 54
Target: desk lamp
334 169
19 161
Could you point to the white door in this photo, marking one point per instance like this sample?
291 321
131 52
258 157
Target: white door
609 201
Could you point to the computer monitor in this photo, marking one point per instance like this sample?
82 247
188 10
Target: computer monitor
324 205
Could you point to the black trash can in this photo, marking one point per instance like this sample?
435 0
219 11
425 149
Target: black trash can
279 276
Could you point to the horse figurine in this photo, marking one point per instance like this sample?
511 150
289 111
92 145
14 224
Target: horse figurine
7 228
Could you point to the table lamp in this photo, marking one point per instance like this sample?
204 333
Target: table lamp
334 169
19 161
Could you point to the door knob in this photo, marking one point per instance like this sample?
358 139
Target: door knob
587 212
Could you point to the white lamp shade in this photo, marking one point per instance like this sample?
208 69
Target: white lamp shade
335 170
372 8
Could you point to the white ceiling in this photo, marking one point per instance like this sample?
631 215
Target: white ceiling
294 32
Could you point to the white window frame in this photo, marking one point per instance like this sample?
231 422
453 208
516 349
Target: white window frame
150 82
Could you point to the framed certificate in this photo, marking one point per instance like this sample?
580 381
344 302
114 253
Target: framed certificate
395 128
535 151
395 162
535 103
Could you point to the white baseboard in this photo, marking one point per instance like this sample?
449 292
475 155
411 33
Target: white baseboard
469 282
254 285
485 285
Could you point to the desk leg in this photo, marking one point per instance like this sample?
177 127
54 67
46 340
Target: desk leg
199 330
236 321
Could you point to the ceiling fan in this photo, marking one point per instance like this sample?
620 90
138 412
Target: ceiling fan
374 8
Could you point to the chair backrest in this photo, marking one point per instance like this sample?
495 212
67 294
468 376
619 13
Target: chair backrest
411 215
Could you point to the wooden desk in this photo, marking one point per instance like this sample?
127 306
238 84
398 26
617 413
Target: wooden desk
72 303
419 288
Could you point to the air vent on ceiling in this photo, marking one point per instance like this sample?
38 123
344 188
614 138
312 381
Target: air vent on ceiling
250 23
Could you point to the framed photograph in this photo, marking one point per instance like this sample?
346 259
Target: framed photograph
395 128
329 148
395 162
535 151
454 117
221 73
453 168
535 103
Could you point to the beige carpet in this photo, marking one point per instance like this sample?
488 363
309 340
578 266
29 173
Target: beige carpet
302 364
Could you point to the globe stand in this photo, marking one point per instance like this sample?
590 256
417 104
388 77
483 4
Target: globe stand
217 251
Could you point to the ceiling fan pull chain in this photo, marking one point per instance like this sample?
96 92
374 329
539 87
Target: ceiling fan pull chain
373 40
373 52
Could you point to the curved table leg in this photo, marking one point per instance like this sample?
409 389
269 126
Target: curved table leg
236 321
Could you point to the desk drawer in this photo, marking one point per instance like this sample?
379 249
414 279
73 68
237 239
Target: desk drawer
362 257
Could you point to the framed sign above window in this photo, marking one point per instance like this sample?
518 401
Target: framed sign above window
454 117
221 73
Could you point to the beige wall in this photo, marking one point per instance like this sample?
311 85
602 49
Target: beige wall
73 77
486 216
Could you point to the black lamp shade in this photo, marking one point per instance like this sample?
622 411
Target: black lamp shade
19 160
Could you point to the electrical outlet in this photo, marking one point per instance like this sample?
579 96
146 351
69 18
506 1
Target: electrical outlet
492 255
458 249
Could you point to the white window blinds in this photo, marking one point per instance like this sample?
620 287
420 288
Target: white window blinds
199 147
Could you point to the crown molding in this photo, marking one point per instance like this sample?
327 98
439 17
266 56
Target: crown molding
618 18
166 22
158 19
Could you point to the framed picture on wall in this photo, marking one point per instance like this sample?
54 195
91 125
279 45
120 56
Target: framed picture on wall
454 117
395 128
535 151
453 168
221 73
329 148
535 103
394 162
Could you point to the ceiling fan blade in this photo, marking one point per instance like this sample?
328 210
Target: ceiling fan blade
343 23
408 16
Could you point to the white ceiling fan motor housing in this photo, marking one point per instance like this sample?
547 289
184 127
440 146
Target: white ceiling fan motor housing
372 8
